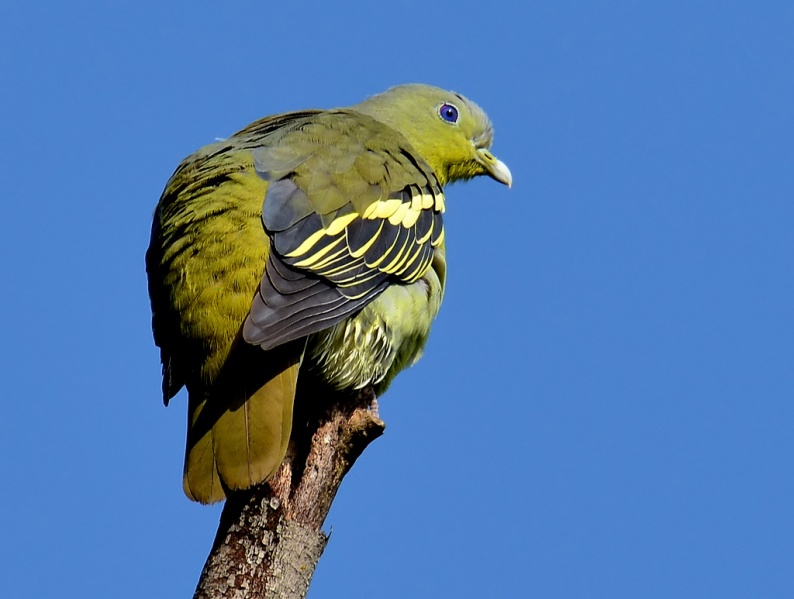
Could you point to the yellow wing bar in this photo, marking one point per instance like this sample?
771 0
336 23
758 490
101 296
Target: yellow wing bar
393 236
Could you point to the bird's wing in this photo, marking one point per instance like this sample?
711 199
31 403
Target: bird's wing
350 208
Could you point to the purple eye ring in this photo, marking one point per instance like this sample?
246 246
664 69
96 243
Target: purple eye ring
448 112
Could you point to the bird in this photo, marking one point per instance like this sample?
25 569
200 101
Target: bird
308 244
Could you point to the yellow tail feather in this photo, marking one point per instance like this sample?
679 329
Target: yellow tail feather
240 431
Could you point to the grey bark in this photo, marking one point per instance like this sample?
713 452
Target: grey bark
269 539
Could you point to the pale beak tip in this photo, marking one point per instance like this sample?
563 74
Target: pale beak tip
502 174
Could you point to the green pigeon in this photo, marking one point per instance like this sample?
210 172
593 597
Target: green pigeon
309 243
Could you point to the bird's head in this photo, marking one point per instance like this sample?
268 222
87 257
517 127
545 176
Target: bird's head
450 132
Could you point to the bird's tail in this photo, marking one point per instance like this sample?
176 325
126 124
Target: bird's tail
239 430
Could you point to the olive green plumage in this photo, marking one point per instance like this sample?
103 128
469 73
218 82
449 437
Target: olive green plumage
312 241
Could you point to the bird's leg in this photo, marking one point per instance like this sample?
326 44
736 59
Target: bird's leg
367 394
373 407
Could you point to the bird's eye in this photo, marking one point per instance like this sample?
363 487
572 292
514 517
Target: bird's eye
448 112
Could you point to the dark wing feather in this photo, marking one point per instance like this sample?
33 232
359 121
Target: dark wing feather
289 307
356 211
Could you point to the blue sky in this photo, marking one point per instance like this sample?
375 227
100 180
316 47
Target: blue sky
605 406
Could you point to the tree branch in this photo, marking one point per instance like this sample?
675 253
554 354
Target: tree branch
269 538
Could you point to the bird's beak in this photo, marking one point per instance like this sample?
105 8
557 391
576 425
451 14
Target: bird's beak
495 167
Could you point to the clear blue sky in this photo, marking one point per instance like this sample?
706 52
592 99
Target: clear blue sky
605 406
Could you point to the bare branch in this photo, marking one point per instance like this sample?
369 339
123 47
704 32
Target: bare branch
269 538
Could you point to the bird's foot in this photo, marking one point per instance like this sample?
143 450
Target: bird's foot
373 407
367 395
